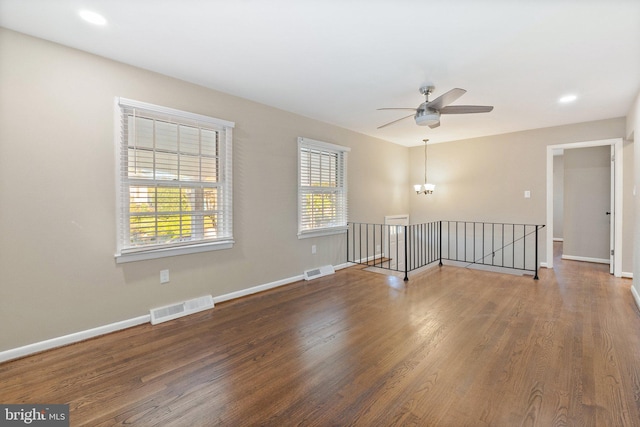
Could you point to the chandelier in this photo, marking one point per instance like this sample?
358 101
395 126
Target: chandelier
425 188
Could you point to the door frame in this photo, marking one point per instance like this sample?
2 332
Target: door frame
616 197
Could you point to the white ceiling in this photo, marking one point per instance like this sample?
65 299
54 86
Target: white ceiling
339 60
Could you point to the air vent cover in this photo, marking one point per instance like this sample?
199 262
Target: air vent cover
173 311
314 273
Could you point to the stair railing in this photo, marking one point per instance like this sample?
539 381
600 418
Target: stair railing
405 248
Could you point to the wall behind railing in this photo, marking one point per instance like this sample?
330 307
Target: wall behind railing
484 179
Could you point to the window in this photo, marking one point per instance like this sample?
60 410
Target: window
174 176
322 188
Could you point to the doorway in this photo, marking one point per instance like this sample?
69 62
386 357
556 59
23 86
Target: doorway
584 203
615 232
394 240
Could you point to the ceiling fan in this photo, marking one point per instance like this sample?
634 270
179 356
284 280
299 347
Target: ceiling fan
428 113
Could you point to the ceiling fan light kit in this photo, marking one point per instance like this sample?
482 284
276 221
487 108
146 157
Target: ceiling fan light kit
427 118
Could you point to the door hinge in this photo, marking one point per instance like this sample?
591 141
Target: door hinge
611 252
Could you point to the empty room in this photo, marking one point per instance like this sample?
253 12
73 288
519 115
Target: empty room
319 213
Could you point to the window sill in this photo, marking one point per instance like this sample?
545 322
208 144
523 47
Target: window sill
323 232
142 255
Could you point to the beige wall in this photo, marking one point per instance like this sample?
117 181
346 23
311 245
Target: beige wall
57 181
484 179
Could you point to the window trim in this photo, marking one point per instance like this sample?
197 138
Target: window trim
124 254
325 146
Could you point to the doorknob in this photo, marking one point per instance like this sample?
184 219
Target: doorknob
608 213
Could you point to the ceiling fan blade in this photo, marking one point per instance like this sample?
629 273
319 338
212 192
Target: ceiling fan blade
445 99
390 123
466 109
435 125
408 109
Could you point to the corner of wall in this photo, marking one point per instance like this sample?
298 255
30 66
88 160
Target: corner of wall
636 296
633 120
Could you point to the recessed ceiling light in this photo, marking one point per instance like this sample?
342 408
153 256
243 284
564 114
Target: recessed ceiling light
92 17
567 99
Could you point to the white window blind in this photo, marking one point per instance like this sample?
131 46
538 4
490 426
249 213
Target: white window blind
322 188
175 181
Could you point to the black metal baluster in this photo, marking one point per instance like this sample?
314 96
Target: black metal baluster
440 239
348 225
406 272
536 266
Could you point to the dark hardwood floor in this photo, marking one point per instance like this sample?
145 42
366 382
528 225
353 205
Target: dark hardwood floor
451 347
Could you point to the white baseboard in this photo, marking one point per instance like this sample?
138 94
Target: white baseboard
26 350
267 286
544 265
344 265
256 289
558 239
636 296
52 343
626 275
587 259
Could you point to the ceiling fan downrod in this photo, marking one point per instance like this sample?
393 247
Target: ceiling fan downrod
426 91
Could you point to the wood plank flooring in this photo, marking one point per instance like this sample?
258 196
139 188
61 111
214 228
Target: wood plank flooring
451 347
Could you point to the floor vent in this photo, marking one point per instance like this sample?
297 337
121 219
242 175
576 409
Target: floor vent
325 270
173 311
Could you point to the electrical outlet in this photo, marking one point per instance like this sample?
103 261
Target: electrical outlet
527 194
313 249
164 276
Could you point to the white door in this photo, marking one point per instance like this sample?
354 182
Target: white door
612 212
394 240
